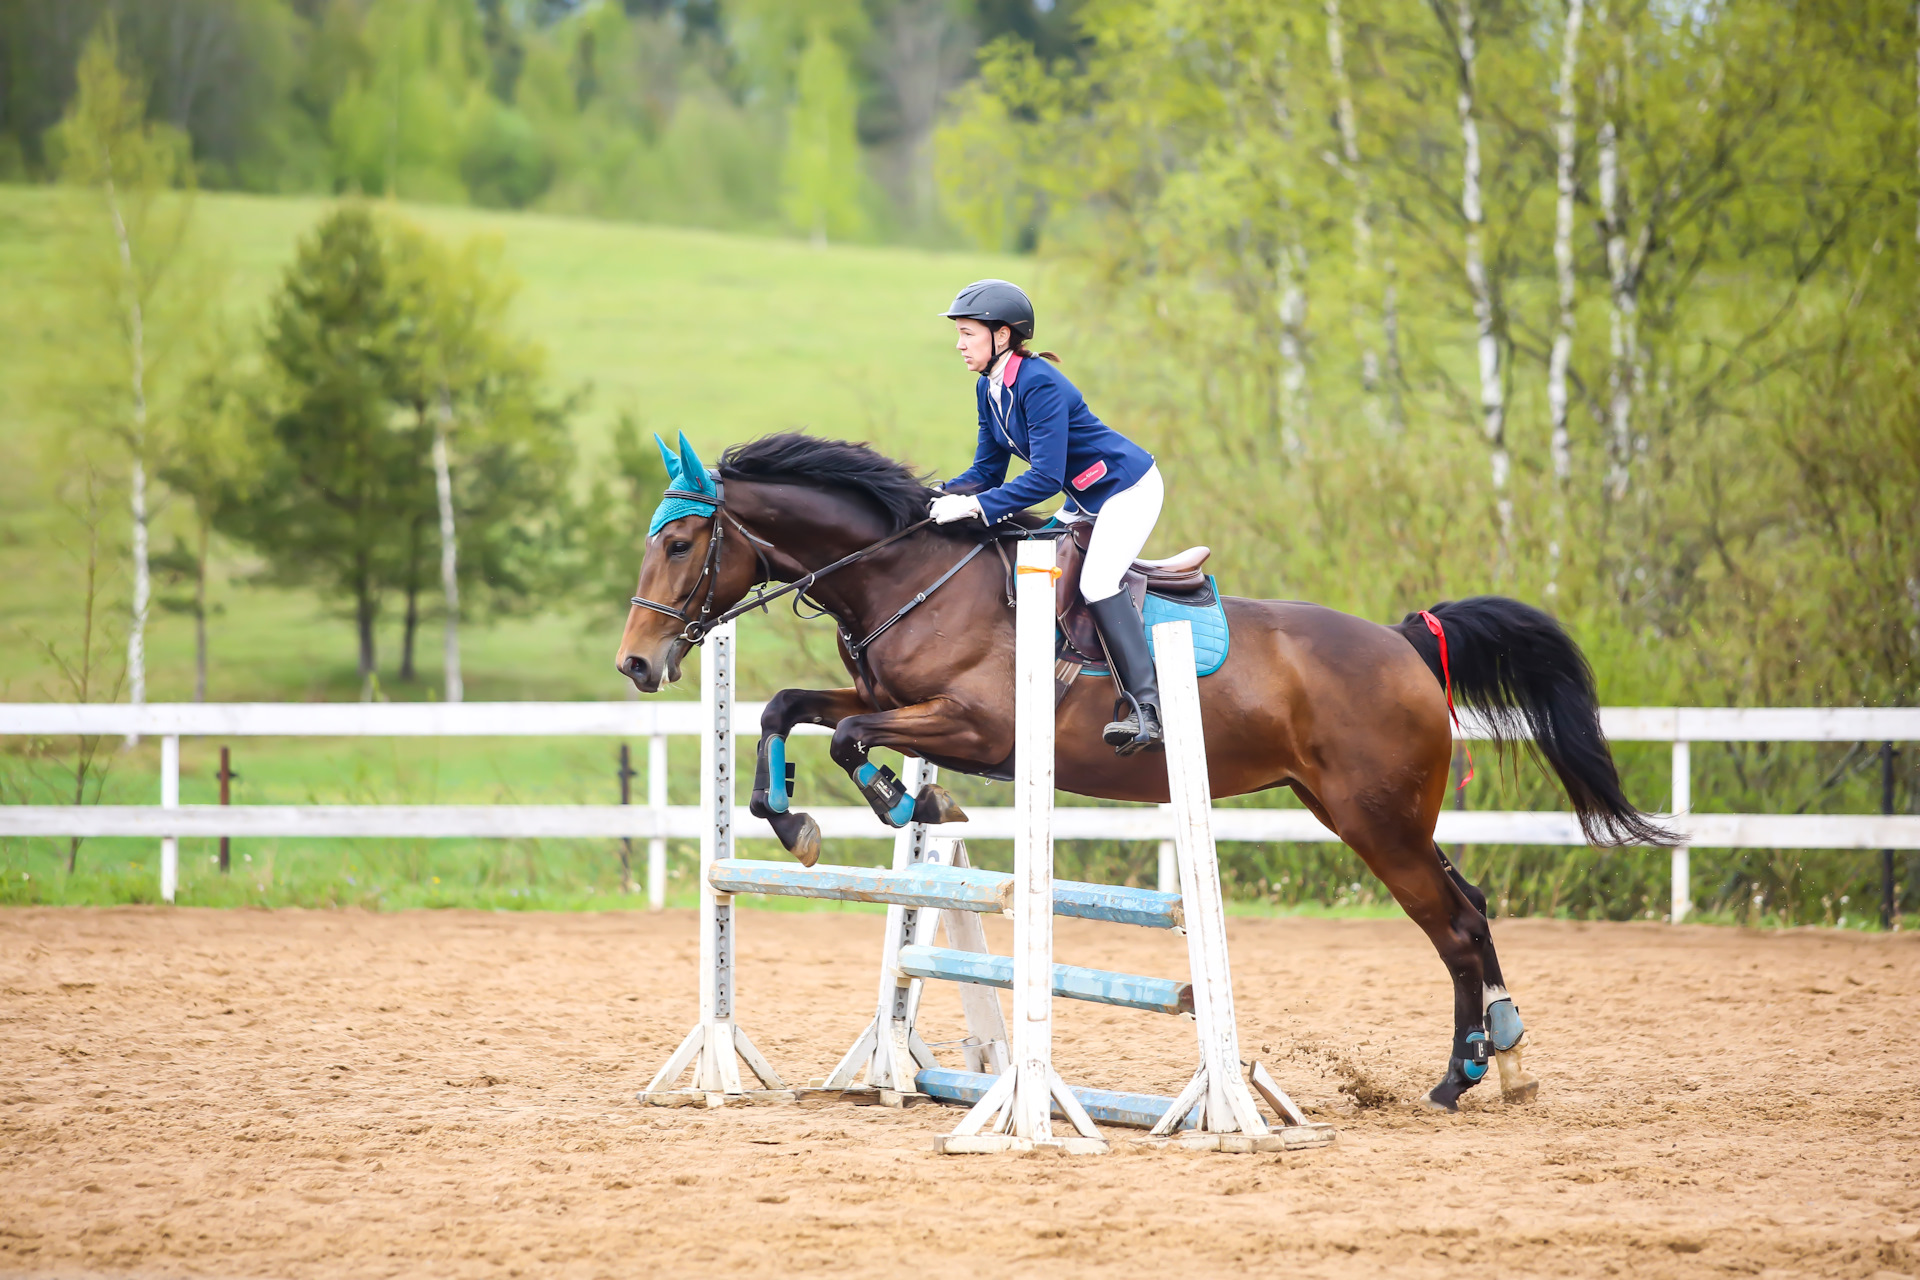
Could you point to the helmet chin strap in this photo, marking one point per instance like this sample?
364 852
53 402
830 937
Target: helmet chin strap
998 354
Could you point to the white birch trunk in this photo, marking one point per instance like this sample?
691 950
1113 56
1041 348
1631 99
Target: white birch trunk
1363 250
1294 395
137 497
1291 307
1563 264
1622 329
449 548
1493 409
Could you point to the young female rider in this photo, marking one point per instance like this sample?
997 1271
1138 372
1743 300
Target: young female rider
1029 408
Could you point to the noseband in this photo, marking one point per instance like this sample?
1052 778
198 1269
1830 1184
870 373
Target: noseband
698 626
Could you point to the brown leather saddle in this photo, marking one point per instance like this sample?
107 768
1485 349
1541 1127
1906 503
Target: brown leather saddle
1079 637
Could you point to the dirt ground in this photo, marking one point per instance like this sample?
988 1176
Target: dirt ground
294 1094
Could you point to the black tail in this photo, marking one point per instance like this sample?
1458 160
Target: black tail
1526 678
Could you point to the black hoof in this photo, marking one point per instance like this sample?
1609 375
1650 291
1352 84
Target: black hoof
934 806
799 835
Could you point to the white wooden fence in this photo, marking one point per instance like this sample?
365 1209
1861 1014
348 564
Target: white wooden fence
656 821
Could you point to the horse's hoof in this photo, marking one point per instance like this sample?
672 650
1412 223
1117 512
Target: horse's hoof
799 835
933 805
1516 1085
1434 1102
806 842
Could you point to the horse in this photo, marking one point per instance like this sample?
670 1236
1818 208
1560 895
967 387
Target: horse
1350 715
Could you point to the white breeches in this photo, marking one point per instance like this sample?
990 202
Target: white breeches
1120 532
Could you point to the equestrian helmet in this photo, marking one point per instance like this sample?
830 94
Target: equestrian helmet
994 302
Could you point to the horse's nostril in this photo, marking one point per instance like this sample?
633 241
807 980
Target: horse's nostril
634 666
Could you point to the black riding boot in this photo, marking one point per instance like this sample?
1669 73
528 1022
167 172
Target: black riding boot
1126 639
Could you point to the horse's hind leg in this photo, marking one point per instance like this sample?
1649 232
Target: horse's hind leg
1408 864
1504 1028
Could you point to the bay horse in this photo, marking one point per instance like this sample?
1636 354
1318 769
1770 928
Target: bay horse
1350 715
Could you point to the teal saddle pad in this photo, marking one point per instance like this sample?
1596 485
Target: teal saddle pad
1204 611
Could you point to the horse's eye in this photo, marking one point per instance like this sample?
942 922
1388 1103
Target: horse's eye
679 547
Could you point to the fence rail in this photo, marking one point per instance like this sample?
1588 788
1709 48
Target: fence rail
657 821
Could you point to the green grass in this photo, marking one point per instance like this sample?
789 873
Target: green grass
725 337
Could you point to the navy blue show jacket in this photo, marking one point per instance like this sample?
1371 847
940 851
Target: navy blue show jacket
1043 419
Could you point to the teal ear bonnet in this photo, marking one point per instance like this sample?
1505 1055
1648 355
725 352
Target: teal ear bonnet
687 478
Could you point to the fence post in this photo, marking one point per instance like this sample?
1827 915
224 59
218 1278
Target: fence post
625 774
227 775
1889 905
169 799
657 801
1682 804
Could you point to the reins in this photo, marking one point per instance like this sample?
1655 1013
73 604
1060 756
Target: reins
697 628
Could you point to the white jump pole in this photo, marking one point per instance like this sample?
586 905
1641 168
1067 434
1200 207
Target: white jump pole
1218 1090
889 1053
711 1047
1016 1113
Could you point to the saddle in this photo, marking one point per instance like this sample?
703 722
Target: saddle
1179 575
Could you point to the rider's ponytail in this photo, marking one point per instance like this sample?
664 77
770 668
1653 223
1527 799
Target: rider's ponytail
1019 348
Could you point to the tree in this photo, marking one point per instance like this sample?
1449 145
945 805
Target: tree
821 178
401 417
105 143
473 388
210 462
340 473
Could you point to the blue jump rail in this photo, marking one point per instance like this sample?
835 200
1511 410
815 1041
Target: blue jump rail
952 888
1127 990
1131 1110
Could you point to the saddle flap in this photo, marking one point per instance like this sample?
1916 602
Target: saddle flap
1079 634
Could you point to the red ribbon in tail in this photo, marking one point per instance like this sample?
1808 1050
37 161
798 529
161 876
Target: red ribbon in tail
1446 676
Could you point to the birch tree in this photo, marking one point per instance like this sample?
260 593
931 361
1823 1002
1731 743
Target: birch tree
1353 167
106 144
1292 274
1564 137
1493 407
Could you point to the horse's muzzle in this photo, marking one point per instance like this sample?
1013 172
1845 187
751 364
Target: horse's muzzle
636 668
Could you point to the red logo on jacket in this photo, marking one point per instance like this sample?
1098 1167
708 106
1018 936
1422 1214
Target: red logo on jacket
1091 475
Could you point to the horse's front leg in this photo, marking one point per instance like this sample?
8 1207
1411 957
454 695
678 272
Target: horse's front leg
942 727
772 797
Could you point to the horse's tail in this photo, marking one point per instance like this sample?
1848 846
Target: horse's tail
1524 676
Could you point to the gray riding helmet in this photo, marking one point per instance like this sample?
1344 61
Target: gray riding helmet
995 302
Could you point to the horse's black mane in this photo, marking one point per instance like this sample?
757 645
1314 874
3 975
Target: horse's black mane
899 495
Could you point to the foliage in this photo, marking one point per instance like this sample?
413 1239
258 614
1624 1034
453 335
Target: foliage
371 335
716 114
821 178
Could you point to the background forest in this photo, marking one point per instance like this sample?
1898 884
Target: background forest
1610 307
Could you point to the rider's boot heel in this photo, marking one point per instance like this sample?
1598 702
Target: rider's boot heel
1125 637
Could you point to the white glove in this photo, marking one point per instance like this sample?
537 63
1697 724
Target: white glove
949 507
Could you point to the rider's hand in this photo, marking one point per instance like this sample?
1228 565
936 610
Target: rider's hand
955 506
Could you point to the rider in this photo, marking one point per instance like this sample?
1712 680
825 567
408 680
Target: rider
1029 408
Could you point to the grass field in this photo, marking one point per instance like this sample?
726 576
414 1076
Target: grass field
723 337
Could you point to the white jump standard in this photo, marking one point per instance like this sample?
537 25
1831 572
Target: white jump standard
1011 1086
711 1047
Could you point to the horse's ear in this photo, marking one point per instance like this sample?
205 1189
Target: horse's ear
693 471
673 463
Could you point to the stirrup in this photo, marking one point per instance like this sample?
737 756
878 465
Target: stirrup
1136 730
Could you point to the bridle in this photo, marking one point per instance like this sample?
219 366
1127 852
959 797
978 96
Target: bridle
698 627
